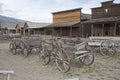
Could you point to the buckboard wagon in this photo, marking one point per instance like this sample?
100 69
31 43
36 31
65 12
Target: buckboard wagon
106 45
25 45
63 54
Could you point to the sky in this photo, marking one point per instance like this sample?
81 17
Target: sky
40 10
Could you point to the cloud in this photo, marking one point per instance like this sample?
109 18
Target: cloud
40 10
1 7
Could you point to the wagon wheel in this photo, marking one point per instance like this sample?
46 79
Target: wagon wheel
88 59
44 56
107 48
12 48
117 48
62 61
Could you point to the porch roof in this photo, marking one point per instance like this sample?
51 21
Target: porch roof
34 25
100 20
62 24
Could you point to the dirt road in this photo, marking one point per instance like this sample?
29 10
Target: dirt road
30 68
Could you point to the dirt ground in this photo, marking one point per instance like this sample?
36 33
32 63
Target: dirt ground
30 68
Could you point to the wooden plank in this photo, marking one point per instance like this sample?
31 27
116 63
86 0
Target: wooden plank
103 38
81 52
73 79
94 43
71 16
6 72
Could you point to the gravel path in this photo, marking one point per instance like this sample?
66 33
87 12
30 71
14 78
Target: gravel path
30 68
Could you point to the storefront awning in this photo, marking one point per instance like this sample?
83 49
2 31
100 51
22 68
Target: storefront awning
101 20
62 25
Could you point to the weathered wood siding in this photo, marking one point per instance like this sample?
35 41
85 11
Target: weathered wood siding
108 9
17 29
65 17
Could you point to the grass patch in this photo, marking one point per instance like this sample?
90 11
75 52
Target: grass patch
92 68
78 63
89 69
69 74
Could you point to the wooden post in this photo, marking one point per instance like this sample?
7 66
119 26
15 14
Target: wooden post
71 31
115 29
82 30
102 29
91 29
24 31
20 31
28 31
61 31
8 78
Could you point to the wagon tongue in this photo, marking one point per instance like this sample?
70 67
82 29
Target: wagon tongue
81 54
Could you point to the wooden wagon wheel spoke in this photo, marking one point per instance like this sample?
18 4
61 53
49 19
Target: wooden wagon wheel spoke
88 59
107 48
44 56
12 48
62 61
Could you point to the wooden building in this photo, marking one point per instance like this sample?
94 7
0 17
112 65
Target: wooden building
105 20
19 28
7 28
67 23
32 28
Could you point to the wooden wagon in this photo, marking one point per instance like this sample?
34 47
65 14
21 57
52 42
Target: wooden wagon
25 45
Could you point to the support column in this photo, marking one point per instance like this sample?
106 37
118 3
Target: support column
115 29
24 31
82 30
28 31
61 32
20 31
91 29
102 29
71 31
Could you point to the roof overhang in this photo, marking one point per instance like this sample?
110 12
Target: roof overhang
58 25
103 20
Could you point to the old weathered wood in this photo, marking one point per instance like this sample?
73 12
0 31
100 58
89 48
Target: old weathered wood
7 72
71 31
92 30
115 29
64 17
102 29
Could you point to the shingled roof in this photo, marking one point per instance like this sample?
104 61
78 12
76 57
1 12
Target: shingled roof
99 20
36 25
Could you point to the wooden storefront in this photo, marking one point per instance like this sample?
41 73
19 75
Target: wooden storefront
105 20
31 28
68 22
